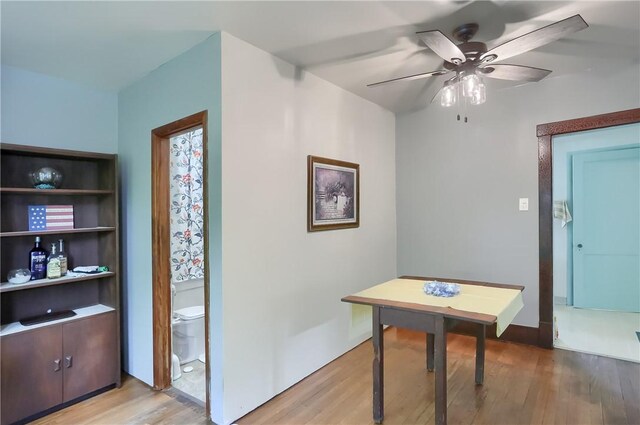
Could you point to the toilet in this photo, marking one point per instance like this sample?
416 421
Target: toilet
188 333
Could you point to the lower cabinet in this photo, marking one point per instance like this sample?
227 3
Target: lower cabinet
31 372
44 367
89 348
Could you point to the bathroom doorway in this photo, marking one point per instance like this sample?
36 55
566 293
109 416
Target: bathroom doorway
180 258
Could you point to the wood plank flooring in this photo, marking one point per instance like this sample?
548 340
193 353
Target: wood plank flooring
133 403
523 385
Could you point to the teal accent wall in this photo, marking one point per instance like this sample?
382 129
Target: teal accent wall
41 110
183 86
564 147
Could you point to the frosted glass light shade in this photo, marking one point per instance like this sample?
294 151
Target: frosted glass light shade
470 84
449 96
479 96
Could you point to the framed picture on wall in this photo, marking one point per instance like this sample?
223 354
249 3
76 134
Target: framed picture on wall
333 194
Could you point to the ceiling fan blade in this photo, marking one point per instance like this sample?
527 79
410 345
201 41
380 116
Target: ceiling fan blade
514 72
442 46
411 77
437 95
537 38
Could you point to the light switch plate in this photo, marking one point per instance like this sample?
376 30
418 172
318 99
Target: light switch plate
524 204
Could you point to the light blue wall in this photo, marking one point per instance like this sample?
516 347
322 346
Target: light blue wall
187 84
41 110
564 146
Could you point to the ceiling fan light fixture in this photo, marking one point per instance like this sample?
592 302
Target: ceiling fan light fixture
470 84
449 95
471 61
479 96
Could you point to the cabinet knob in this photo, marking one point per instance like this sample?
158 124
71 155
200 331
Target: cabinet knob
68 361
56 365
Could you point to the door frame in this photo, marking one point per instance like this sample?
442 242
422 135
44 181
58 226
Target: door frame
161 252
545 133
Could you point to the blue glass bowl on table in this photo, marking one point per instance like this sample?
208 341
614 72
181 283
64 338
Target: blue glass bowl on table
441 289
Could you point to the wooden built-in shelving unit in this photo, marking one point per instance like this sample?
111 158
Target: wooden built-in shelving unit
36 375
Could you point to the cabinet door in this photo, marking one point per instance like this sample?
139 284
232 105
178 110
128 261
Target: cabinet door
89 355
31 372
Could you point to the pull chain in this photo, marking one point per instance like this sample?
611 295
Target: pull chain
461 99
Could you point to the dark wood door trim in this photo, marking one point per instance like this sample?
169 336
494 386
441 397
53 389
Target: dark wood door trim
161 274
545 133
160 201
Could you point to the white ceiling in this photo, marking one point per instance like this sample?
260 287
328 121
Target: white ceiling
109 45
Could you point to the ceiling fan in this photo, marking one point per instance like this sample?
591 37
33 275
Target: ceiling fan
470 61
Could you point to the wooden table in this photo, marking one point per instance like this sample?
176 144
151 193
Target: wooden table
435 322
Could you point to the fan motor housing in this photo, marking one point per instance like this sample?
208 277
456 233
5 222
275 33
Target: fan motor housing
472 51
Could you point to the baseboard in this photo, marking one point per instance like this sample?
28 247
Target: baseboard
545 335
517 333
514 333
61 406
559 300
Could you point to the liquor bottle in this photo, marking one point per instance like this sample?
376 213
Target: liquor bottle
63 258
53 263
38 261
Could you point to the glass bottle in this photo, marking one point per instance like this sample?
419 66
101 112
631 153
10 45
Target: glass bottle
63 258
53 263
38 261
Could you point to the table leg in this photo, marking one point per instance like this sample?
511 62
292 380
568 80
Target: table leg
378 367
480 348
430 344
441 370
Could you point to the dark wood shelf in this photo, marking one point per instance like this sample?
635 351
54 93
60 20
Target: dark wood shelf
31 191
53 152
9 287
57 232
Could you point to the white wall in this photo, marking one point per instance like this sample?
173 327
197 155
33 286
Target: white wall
40 110
188 84
458 184
564 146
283 318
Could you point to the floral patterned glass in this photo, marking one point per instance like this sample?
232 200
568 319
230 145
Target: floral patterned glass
187 237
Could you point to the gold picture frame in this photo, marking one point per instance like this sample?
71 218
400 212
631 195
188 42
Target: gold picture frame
333 194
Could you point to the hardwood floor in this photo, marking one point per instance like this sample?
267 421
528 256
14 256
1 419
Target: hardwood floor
133 403
523 385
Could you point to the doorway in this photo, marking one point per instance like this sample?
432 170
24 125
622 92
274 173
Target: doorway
180 258
548 268
596 282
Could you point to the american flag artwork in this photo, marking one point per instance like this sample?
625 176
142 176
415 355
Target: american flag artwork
50 217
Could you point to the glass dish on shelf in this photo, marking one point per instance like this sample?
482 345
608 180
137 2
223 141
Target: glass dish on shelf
18 276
